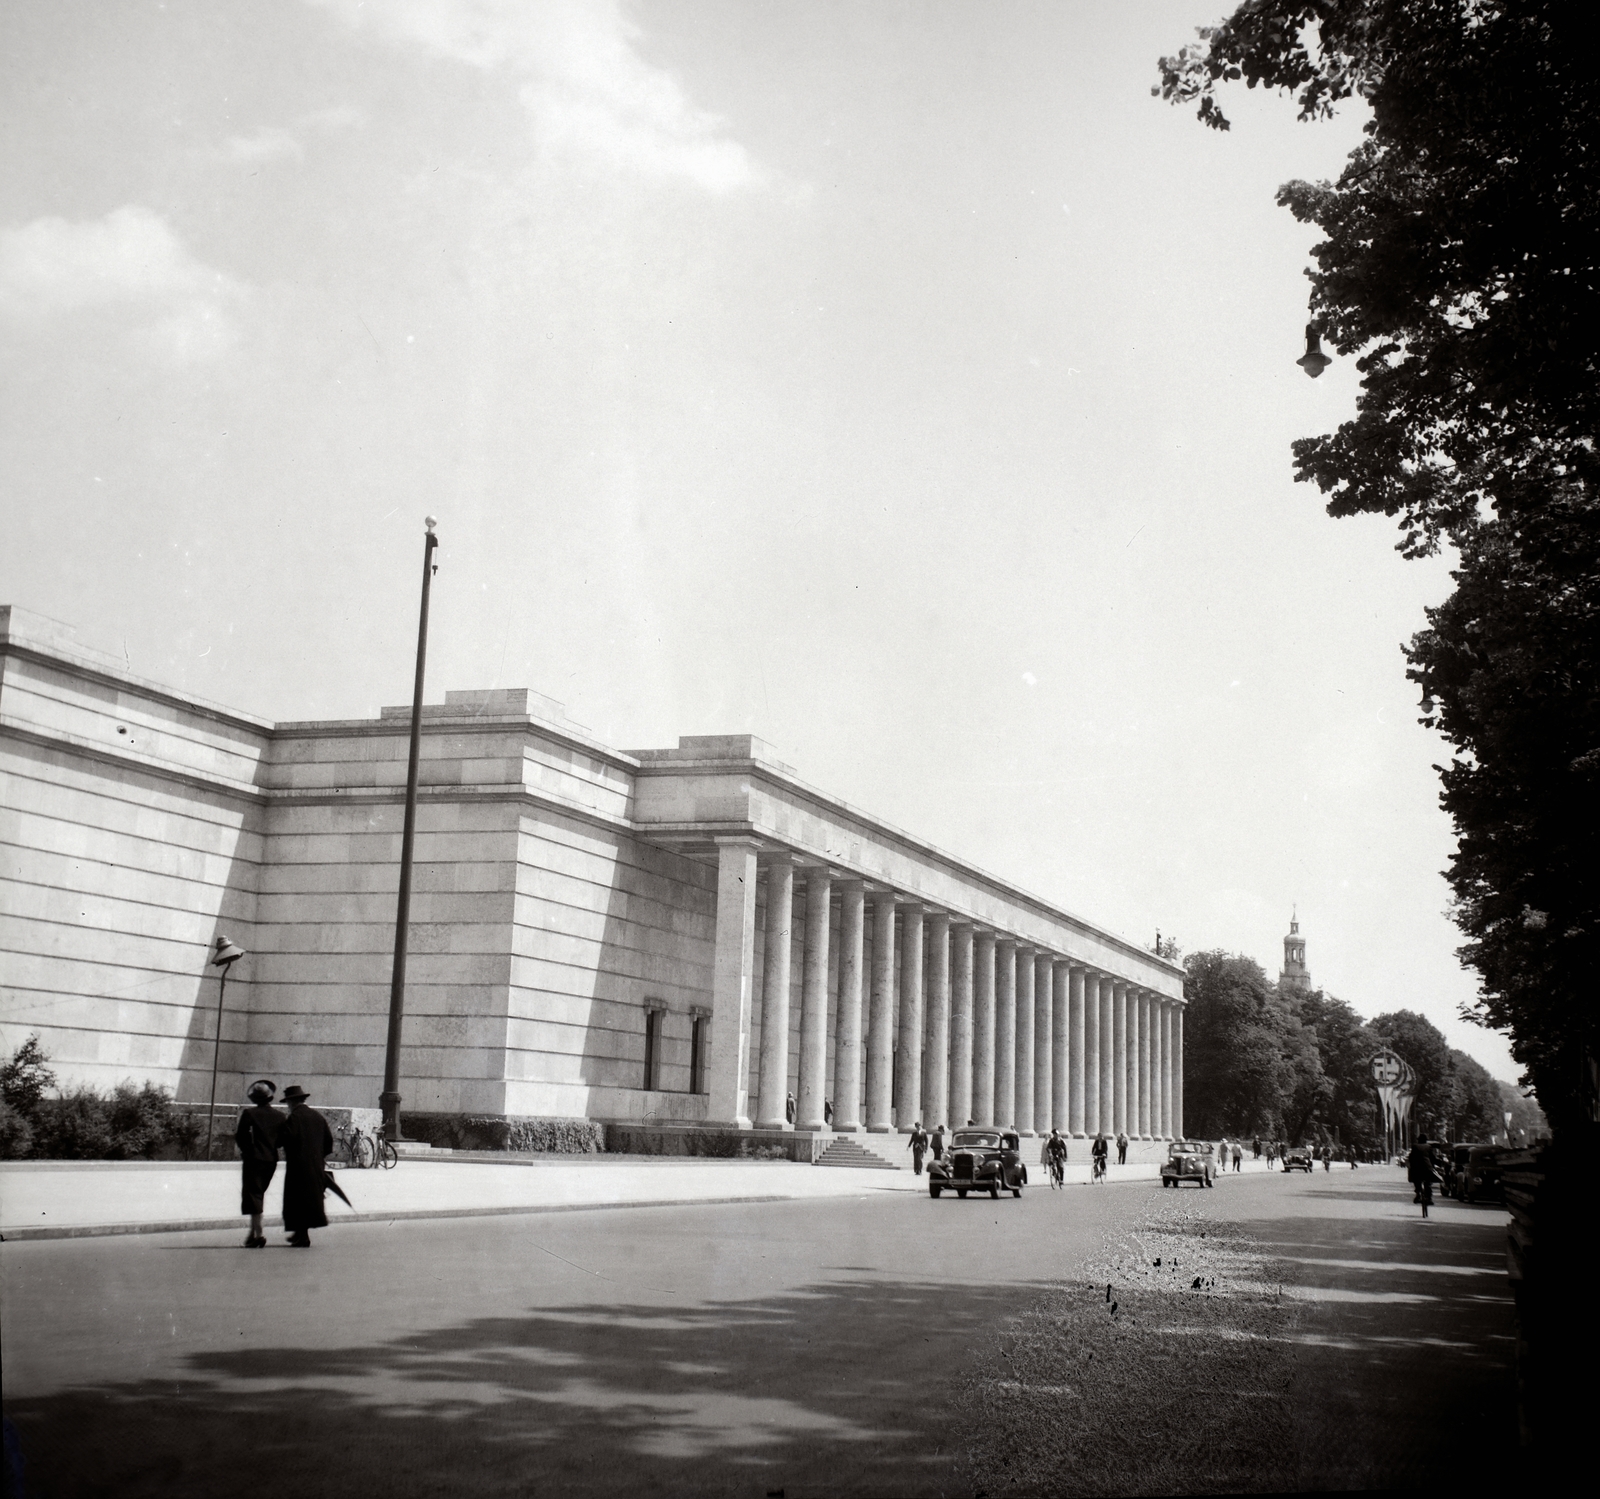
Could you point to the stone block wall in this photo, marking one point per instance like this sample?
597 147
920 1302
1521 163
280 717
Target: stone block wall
130 836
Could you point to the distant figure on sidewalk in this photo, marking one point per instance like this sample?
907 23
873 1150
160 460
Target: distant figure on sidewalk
307 1143
1420 1172
1238 1156
917 1144
1327 1158
257 1139
1255 1145
1222 1154
788 1108
937 1143
1122 1148
827 1111
1350 1155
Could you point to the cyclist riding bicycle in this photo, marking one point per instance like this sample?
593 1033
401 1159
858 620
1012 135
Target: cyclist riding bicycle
1055 1152
1100 1150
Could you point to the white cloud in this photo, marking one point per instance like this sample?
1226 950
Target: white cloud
270 143
129 261
274 143
585 85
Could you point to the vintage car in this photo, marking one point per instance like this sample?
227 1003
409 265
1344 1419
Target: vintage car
1189 1161
1479 1175
980 1160
1298 1158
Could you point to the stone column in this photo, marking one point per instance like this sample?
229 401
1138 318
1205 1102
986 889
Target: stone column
1108 1055
814 1004
1142 1066
1060 1045
1132 1125
1119 1107
1167 1067
732 975
880 1025
1091 1053
982 1028
847 1022
1026 971
961 1063
1149 1106
1177 1069
1044 1044
909 1045
774 1086
1005 1034
936 1042
1076 1044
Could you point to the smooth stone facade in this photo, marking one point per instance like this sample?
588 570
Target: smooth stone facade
564 892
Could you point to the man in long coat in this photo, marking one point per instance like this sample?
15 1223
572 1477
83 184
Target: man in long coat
307 1143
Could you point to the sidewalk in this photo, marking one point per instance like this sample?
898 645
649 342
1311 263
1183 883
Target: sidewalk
74 1199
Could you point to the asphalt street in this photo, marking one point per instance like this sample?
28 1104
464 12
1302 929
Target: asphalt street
808 1347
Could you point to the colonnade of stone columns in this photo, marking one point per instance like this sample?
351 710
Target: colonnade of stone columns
955 1021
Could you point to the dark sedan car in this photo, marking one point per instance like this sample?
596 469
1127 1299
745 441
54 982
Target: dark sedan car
981 1160
1479 1175
1190 1161
1297 1158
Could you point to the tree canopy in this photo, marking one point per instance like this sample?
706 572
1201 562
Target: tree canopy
1459 268
1460 257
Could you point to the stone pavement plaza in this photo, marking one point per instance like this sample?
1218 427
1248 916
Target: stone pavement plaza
823 1346
57 1198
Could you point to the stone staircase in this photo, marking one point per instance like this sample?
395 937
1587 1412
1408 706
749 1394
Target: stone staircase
847 1150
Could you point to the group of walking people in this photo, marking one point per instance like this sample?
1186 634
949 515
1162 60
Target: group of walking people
306 1142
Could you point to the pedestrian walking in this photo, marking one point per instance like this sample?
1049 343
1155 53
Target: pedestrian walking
307 1143
1420 1173
257 1139
1238 1156
827 1111
937 1143
788 1108
1122 1148
1256 1146
1350 1155
917 1144
1327 1158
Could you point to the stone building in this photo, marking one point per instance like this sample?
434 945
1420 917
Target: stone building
1295 976
680 935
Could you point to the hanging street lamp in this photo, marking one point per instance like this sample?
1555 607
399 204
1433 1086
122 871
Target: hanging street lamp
1313 361
224 954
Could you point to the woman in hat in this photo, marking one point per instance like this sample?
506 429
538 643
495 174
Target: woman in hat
257 1139
307 1143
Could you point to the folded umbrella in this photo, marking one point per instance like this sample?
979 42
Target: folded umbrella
337 1190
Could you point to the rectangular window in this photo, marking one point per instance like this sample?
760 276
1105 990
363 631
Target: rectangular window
697 1054
652 1048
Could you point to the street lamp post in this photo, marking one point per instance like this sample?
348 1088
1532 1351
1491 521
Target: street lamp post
223 956
389 1099
1313 361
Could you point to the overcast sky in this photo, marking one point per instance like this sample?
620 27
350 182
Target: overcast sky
898 382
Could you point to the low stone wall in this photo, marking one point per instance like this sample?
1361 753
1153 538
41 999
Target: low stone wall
727 1144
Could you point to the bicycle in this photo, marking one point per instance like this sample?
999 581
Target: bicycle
1058 1175
365 1152
1099 1172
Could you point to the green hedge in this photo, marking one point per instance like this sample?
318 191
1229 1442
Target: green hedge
495 1132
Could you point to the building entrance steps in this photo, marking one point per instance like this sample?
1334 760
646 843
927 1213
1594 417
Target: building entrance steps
846 1150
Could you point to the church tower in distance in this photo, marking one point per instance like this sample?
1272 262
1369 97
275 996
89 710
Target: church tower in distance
1295 975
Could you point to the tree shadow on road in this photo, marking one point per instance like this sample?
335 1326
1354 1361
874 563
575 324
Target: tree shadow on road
599 1398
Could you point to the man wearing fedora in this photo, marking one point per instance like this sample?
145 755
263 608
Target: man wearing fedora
307 1143
257 1138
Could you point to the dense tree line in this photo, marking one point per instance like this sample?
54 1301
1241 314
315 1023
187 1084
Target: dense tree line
1459 267
1260 1060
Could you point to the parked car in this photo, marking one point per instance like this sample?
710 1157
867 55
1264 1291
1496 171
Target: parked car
980 1160
1298 1158
1451 1161
1479 1175
1189 1161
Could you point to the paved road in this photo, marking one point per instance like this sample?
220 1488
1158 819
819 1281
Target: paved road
812 1347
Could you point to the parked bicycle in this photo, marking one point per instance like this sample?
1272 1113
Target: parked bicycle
363 1151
